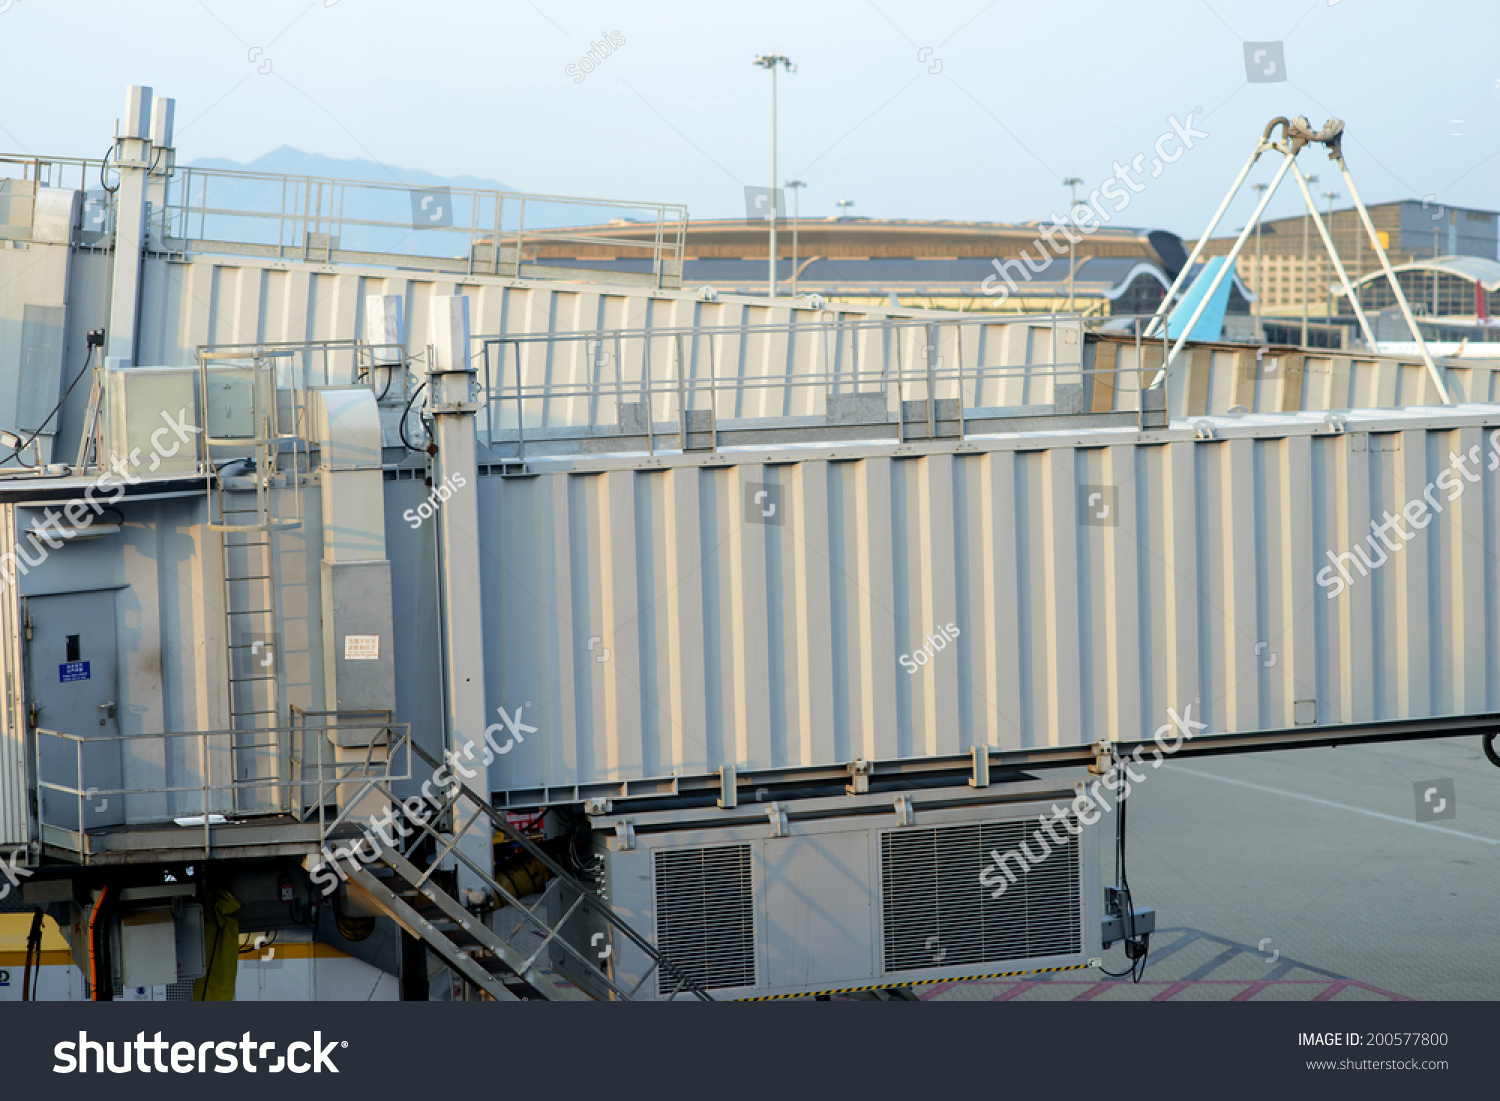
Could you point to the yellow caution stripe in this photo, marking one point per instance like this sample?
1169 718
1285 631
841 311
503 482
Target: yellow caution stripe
916 982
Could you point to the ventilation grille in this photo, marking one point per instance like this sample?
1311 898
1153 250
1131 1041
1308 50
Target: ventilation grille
937 913
705 918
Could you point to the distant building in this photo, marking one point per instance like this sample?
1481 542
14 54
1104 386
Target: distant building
1409 230
1454 298
969 266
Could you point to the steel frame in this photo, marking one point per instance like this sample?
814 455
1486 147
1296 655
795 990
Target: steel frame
1295 134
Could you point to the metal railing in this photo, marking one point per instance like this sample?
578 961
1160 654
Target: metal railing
469 229
631 381
456 798
20 176
297 785
295 217
277 381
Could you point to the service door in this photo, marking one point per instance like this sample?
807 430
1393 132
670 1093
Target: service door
75 690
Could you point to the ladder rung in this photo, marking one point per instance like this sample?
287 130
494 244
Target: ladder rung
251 577
247 680
262 711
250 611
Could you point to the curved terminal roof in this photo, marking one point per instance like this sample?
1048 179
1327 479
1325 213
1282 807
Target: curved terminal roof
1476 269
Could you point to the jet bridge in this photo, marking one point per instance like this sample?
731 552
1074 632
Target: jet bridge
693 647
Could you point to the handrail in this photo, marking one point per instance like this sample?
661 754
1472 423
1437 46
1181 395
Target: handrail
295 214
919 358
503 825
289 778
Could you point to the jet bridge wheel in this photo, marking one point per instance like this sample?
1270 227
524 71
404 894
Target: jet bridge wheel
1488 741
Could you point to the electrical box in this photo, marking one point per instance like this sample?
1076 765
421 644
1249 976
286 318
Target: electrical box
229 404
54 215
148 411
158 945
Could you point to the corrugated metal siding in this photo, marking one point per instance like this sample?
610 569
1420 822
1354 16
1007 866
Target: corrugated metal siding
1211 381
220 300
165 568
223 300
767 646
215 300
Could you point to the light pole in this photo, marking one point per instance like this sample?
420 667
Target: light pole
844 205
1071 183
1434 272
770 61
1305 219
1330 196
794 186
1260 272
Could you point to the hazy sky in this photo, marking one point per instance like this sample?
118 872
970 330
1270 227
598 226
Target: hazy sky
957 109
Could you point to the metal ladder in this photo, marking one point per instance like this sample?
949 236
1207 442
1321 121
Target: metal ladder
252 661
403 883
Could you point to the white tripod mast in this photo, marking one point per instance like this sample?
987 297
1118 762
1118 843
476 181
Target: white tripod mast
1295 134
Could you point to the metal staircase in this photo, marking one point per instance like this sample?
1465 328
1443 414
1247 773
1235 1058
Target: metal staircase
407 882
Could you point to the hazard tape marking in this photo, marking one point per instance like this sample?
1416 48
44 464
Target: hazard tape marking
915 982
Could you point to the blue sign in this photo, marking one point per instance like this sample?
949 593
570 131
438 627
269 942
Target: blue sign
73 670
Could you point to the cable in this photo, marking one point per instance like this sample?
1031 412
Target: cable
102 166
1137 969
93 946
406 413
92 343
390 377
33 948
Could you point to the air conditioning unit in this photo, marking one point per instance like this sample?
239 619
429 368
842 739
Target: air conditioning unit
847 893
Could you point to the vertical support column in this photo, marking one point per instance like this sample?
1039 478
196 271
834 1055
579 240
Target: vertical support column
133 159
450 377
387 340
163 162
